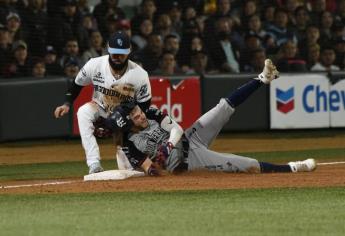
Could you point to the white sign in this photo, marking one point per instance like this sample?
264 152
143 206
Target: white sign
300 101
337 104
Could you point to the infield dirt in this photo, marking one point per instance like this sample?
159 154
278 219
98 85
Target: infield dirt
329 175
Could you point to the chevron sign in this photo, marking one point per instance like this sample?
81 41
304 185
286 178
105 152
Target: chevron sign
285 100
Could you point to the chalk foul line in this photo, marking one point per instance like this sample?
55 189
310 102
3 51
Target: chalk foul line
38 184
330 163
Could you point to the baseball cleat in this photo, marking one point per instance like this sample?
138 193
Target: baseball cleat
303 166
269 73
95 168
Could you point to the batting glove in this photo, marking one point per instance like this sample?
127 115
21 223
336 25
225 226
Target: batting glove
163 153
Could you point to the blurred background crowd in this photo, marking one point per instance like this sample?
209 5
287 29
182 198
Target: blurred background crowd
40 38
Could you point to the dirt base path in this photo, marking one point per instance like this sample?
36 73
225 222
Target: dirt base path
326 175
330 176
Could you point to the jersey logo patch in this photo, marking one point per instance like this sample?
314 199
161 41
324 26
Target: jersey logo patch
120 122
98 77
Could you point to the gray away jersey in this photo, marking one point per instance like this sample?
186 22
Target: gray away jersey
148 141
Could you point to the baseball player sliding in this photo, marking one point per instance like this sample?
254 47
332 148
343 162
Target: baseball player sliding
115 79
158 142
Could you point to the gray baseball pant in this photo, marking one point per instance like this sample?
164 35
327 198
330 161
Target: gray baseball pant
201 134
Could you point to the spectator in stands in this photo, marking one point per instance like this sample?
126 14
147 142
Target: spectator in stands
83 7
163 26
289 60
20 64
51 61
65 25
5 9
184 56
87 25
268 16
124 25
114 24
223 9
222 51
256 61
302 20
340 12
313 55
150 55
317 7
71 68
71 49
171 43
291 6
252 42
190 29
5 48
327 60
34 20
199 62
326 23
339 48
103 10
96 49
167 65
13 24
139 40
279 31
255 27
189 13
146 11
312 36
338 30
249 9
38 68
175 14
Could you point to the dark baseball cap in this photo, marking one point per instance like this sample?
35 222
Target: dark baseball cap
119 43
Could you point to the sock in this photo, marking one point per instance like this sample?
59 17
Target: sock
271 168
243 92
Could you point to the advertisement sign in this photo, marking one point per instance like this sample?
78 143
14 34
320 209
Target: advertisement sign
300 101
182 101
337 104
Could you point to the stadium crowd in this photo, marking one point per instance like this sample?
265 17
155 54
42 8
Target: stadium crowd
39 38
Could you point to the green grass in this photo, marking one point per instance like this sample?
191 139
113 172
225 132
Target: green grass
308 211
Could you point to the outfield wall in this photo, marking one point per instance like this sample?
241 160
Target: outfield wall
293 101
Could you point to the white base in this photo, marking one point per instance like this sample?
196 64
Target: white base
113 175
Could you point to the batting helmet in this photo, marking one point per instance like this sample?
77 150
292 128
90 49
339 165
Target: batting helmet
119 119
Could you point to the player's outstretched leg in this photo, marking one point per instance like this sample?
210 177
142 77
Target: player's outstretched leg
268 74
297 166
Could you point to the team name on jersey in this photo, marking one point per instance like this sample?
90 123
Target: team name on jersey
113 93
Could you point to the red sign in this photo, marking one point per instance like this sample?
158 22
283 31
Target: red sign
182 101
